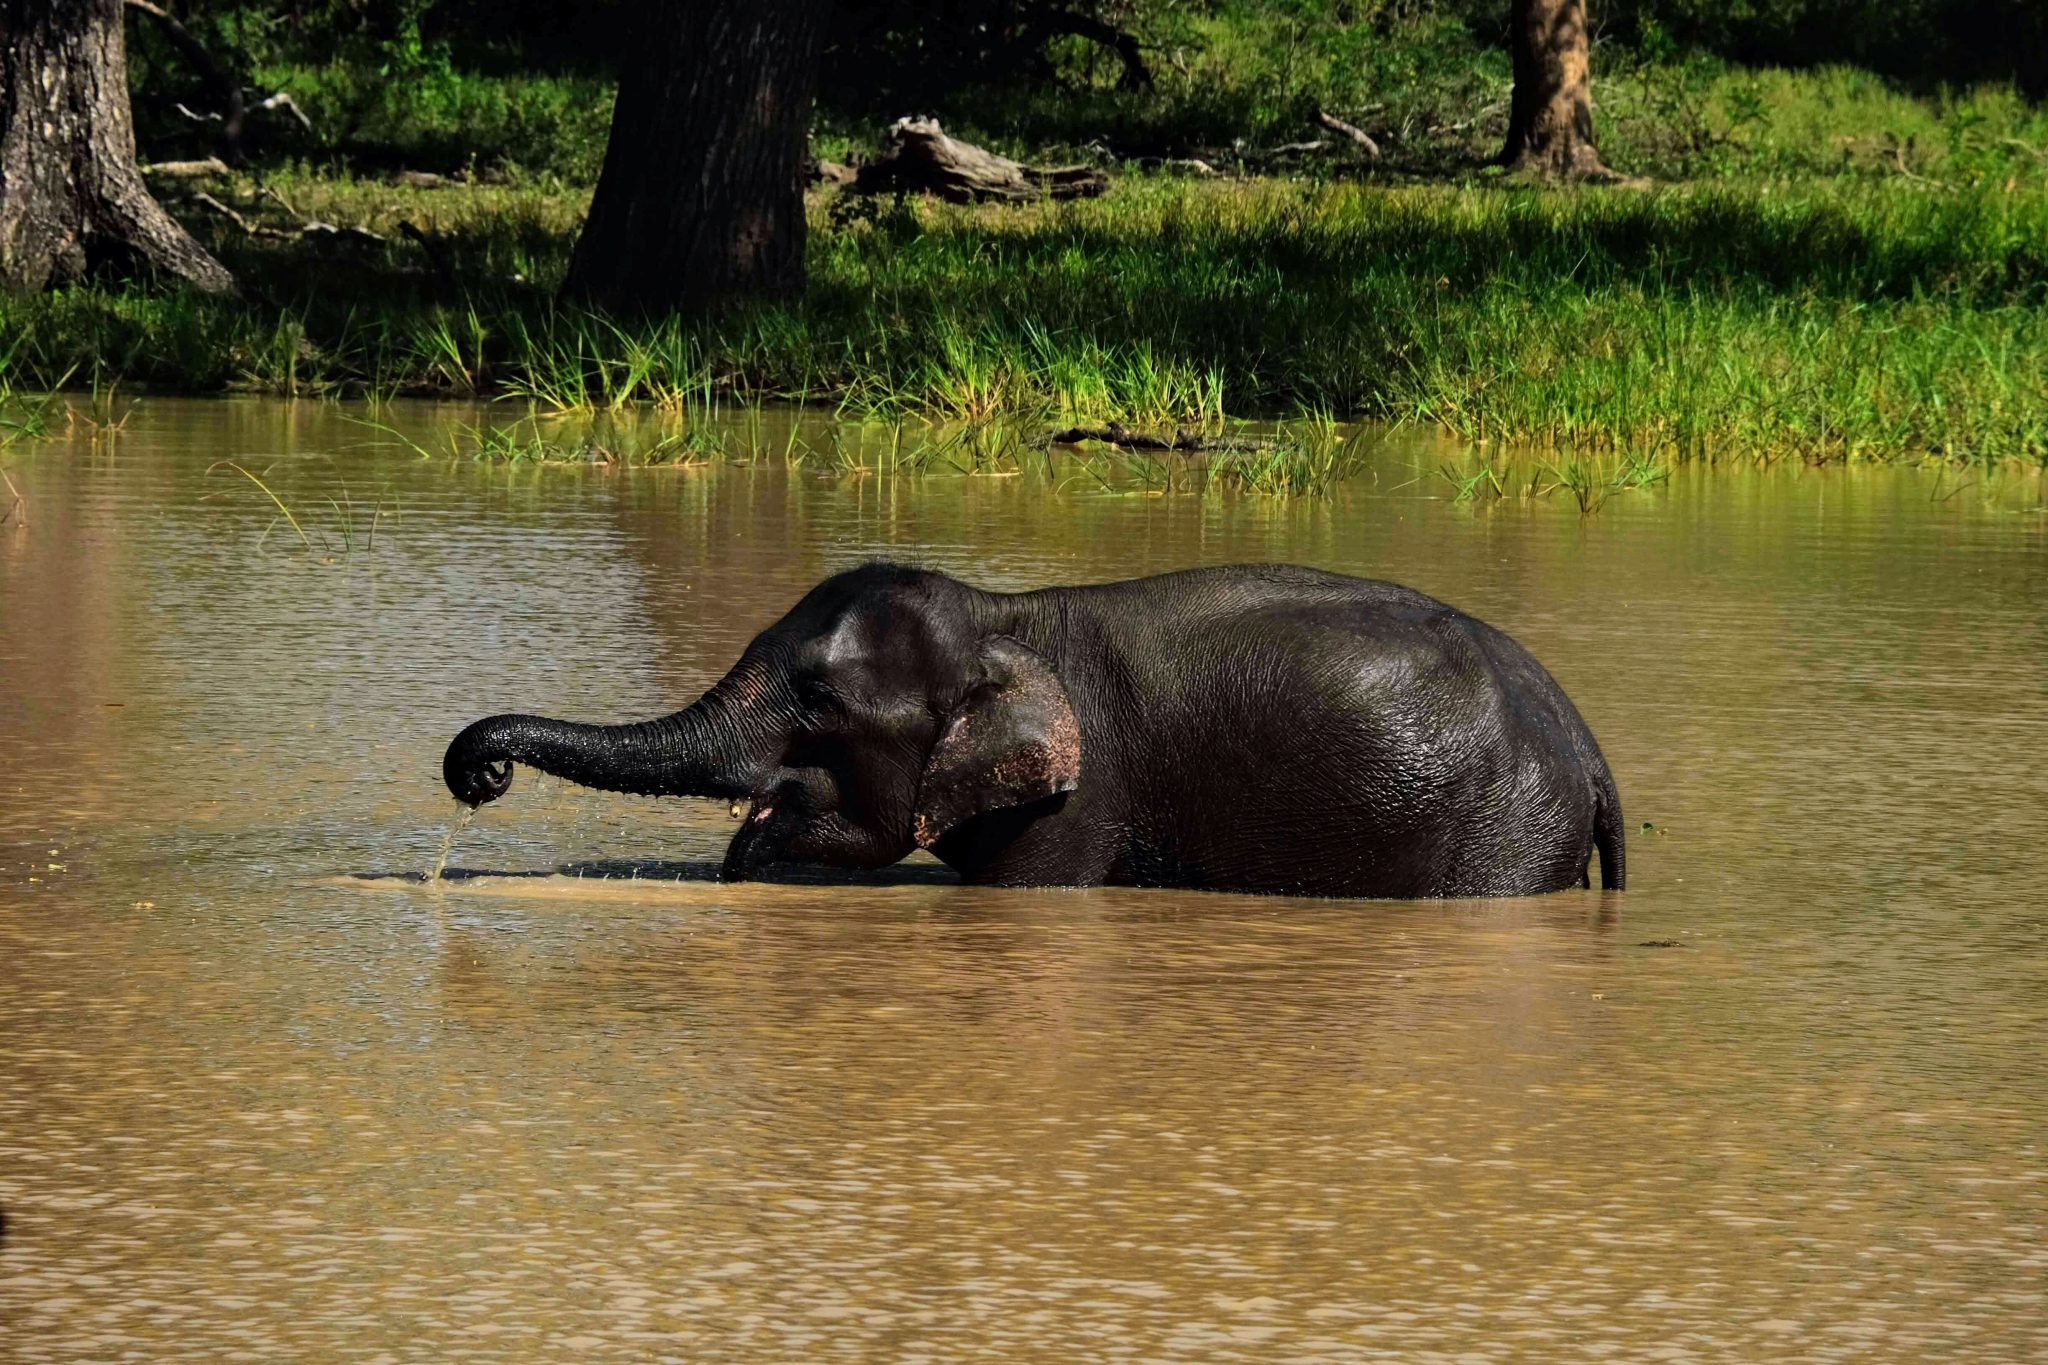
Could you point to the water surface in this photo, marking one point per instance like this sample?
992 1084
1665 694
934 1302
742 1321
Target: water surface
1782 1100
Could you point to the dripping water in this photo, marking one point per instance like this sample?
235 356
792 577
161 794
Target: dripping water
464 814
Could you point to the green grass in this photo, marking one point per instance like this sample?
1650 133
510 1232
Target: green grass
1842 319
1844 271
342 529
1829 268
1589 481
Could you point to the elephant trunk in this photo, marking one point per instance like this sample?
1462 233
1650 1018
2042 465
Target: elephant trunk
695 752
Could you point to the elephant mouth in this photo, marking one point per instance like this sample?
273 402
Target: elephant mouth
802 816
765 830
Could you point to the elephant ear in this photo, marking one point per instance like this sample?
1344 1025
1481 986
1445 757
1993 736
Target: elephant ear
1012 740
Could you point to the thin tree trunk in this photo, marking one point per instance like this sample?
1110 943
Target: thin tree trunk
70 196
1550 120
701 196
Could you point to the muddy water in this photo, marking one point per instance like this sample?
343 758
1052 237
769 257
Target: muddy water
1787 1099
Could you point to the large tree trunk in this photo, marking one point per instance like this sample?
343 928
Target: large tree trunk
70 196
1550 120
701 196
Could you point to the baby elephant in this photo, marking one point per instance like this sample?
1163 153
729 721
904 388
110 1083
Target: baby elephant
1251 728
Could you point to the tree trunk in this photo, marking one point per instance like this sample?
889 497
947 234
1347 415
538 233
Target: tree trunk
1550 120
70 196
701 197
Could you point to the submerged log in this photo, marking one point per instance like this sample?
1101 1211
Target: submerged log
1182 441
921 159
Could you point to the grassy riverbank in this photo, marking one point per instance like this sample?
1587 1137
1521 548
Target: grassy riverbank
1827 265
1843 319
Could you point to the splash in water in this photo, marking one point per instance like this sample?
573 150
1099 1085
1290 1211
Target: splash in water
464 814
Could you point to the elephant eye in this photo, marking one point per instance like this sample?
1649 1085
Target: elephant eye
815 694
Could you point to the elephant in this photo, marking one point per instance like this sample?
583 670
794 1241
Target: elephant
1253 728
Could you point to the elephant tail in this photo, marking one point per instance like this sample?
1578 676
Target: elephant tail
1608 836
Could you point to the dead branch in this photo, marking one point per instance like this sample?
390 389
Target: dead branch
316 226
282 100
247 227
1356 134
1488 112
20 503
921 159
306 227
1899 150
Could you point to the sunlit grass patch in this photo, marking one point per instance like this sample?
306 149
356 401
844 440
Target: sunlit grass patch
1747 321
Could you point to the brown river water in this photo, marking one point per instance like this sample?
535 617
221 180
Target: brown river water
265 1094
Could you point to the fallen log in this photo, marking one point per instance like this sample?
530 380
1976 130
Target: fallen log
187 170
921 159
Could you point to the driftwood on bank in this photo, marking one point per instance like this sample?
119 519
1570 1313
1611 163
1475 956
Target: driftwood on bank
921 159
1180 441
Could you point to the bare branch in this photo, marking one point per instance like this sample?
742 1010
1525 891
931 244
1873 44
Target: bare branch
1356 134
307 227
249 228
20 503
281 100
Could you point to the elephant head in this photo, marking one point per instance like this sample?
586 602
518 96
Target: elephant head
884 711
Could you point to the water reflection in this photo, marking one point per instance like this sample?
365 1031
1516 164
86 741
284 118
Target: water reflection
580 1100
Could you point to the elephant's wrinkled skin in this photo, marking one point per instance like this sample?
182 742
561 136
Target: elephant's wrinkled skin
1251 728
